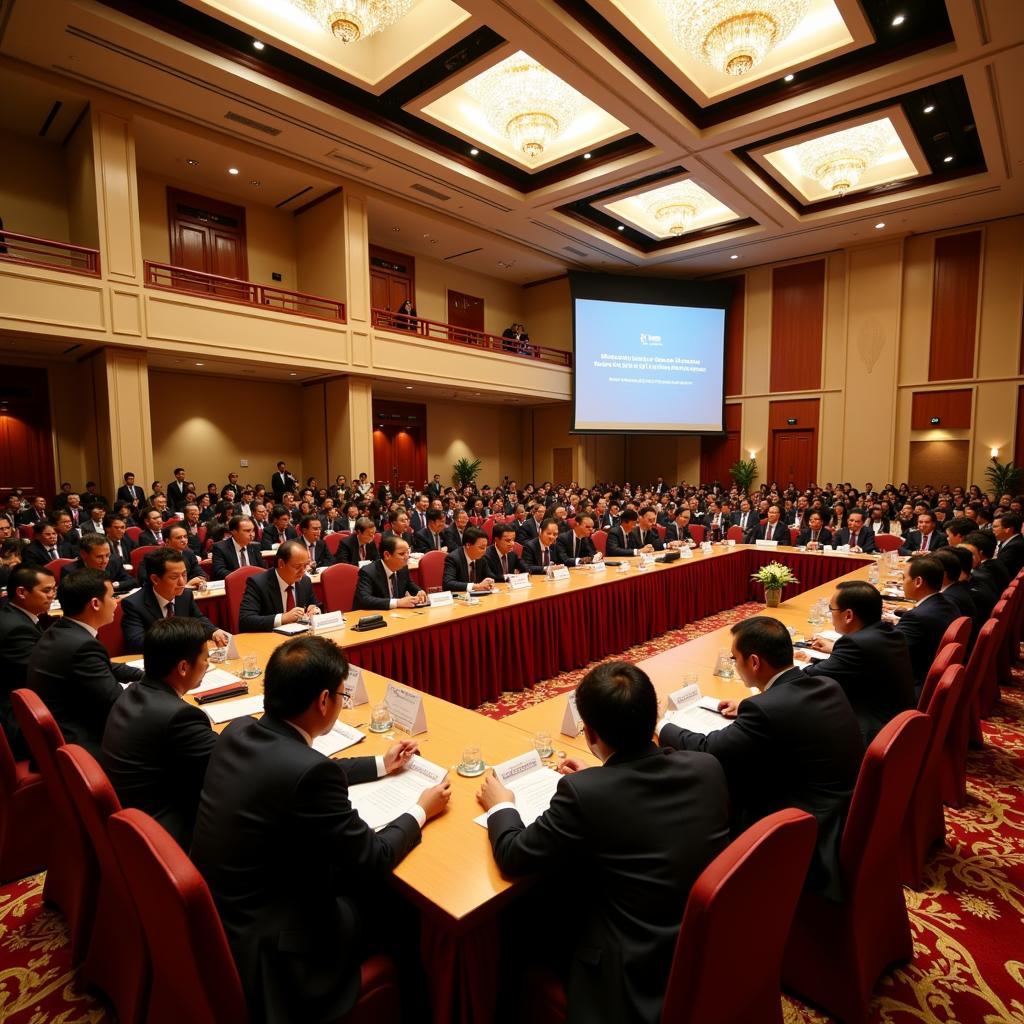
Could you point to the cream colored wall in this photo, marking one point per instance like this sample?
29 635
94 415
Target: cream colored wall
269 233
33 188
548 314
503 303
80 172
457 430
320 248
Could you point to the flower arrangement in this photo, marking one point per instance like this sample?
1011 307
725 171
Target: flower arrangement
774 576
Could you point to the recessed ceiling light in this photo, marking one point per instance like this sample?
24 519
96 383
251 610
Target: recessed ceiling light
200 364
947 160
929 108
232 170
734 257
789 78
256 182
192 163
880 225
408 387
898 20
396 229
257 45
474 152
622 227
586 156
292 373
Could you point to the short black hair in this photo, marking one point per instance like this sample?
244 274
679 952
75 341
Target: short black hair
236 521
962 527
472 534
179 469
861 598
42 524
390 542
156 561
1010 520
628 516
433 514
929 568
364 523
299 671
983 541
168 641
501 529
90 541
766 637
287 549
25 576
307 521
77 589
962 555
545 523
617 700
950 563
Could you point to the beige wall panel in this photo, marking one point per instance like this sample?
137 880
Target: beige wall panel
127 411
73 412
757 343
80 172
119 211
349 412
508 427
833 355
995 425
320 248
454 432
551 425
503 303
31 297
754 434
313 405
548 314
357 258
688 460
33 188
362 344
916 319
209 438
1002 290
126 312
901 447
830 439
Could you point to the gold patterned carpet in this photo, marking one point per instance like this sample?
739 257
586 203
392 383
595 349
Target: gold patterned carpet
968 921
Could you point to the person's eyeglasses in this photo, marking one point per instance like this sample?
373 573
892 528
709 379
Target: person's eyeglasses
346 700
833 608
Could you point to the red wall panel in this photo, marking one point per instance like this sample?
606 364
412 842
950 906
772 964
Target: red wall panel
734 327
798 316
718 453
955 306
952 407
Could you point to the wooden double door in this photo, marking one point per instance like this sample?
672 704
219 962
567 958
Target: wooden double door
207 236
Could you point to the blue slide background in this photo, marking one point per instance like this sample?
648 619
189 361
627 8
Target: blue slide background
615 328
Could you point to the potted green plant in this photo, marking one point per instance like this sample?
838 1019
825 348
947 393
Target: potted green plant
1004 477
744 472
774 576
467 470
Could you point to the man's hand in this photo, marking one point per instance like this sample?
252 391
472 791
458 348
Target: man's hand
292 616
484 584
408 601
728 708
398 755
196 581
435 800
568 765
493 792
819 643
646 549
220 638
311 609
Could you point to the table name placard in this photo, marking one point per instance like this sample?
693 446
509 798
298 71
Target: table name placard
572 724
520 581
355 686
559 572
441 598
766 543
326 621
406 707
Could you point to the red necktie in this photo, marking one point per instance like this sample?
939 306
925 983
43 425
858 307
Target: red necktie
924 542
289 603
242 560
169 610
768 532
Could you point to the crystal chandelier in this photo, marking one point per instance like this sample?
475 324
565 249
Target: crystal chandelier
526 103
675 206
351 20
837 162
732 36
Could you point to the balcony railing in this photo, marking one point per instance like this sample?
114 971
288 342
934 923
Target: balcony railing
229 289
30 251
454 335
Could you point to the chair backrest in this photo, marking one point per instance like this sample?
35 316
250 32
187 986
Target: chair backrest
234 588
518 548
58 565
599 537
138 554
733 533
661 530
194 974
25 532
339 585
206 564
332 540
134 532
111 635
957 632
697 532
887 542
8 778
43 736
702 986
950 654
432 569
794 535
891 765
488 527
940 711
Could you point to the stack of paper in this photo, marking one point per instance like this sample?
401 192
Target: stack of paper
378 803
232 709
341 737
533 784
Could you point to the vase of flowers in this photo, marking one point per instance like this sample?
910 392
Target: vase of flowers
773 577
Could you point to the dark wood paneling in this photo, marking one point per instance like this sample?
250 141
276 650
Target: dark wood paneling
955 306
26 443
1018 452
734 330
793 447
720 451
803 410
952 407
798 316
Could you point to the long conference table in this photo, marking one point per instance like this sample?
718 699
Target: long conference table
451 875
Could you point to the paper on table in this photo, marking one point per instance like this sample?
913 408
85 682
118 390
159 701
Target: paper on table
381 801
215 677
700 717
290 628
341 737
226 712
533 784
215 585
828 634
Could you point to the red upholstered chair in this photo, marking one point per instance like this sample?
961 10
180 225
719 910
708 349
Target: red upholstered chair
661 530
957 632
134 532
117 962
72 874
988 691
376 539
25 817
697 532
950 654
432 569
332 540
25 532
111 635
837 951
488 526
234 588
925 824
138 554
599 537
733 533
518 548
200 534
57 567
339 583
794 535
194 975
888 542
206 564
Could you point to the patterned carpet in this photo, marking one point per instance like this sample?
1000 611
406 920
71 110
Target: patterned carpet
968 922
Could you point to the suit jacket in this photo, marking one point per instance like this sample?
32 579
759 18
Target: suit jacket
873 667
641 538
89 525
225 560
147 538
994 576
348 551
912 541
73 675
563 548
824 536
962 596
426 540
745 520
922 627
271 536
781 533
18 638
865 539
372 593
36 554
672 533
635 834
798 744
281 482
115 571
417 520
618 543
493 562
141 609
457 575
321 553
262 603
1011 553
283 851
533 557
176 495
123 549
134 495
30 516
527 530
605 522
453 538
156 747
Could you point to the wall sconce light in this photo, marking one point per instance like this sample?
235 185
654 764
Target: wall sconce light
752 453
935 421
993 452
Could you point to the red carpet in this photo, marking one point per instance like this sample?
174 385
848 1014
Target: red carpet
968 923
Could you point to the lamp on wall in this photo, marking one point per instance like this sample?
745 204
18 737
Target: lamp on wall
994 452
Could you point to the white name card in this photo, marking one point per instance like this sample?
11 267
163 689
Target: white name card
441 598
598 566
326 621
366 561
684 697
685 552
646 561
766 543
840 549
705 547
559 572
572 724
231 649
406 708
519 581
623 567
355 686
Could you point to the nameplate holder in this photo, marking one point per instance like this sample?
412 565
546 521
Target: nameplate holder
326 621
598 566
646 562
705 547
406 707
355 686
685 552
366 561
572 724
685 697
840 549
766 543
441 598
731 542
231 650
623 567
516 767
559 572
519 581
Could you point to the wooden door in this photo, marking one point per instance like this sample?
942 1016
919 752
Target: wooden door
794 457
26 442
207 236
392 278
467 313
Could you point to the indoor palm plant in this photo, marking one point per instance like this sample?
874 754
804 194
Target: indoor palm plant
1004 477
744 472
467 470
774 576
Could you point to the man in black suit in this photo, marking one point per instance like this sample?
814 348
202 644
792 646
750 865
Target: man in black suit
94 553
386 583
957 563
360 546
35 513
773 528
280 595
93 522
796 743
602 517
539 554
529 527
398 525
70 669
68 536
156 746
465 569
990 574
645 537
279 530
287 859
432 538
282 481
927 537
176 490
130 492
816 535
670 815
45 546
176 538
677 533
418 515
454 535
309 535
1006 530
855 535
500 558
574 546
236 550
120 543
619 541
164 595
30 592
923 625
152 533
870 660
746 518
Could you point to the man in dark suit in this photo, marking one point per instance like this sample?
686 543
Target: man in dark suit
309 535
870 660
152 533
816 535
35 513
359 546
927 537
465 569
93 522
177 540
156 746
957 563
670 814
989 573
176 491
279 530
796 743
432 538
855 535
281 482
500 558
280 595
386 583
455 533
677 533
772 529
46 546
130 492
539 554
30 592
418 515
745 518
645 537
923 625
619 541
94 553
70 669
164 595
237 549
1006 529
285 855
603 519
68 536
574 546
120 543
529 528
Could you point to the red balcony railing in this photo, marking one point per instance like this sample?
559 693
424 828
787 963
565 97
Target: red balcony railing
386 320
44 252
248 293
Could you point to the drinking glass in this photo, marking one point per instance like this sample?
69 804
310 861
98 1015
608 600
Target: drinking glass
250 666
471 759
542 744
380 718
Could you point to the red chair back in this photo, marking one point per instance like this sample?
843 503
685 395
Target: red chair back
26 532
794 535
116 962
234 588
206 564
488 527
332 540
57 567
432 569
111 635
999 670
950 654
702 986
138 554
957 632
733 533
200 534
134 532
661 530
599 537
518 548
339 584
887 542
25 817
194 975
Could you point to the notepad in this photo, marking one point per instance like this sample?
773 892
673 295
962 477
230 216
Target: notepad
702 716
214 678
221 713
533 784
341 737
379 802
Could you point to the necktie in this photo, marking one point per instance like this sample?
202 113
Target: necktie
289 603
437 542
574 545
242 560
159 536
924 542
768 533
394 591
362 552
546 558
169 610
53 553
504 565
